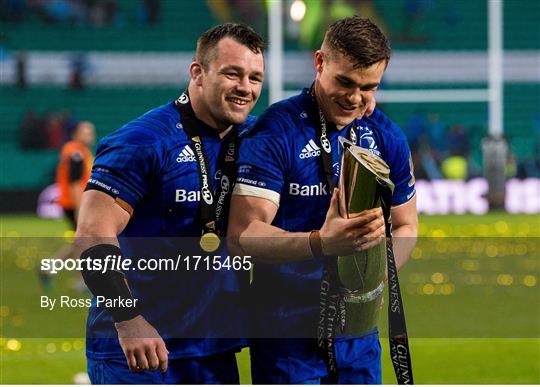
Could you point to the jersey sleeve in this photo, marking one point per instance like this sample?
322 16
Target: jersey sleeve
263 161
123 170
401 167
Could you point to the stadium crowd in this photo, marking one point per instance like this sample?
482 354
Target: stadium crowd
89 13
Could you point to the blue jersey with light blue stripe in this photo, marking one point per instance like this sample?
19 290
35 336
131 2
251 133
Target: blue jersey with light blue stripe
149 163
280 159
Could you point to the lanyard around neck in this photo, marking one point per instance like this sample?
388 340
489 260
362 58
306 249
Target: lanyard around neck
214 206
326 145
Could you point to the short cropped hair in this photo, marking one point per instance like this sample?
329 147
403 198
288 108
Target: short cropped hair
241 33
359 39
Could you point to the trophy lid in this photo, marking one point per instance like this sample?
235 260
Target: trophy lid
369 160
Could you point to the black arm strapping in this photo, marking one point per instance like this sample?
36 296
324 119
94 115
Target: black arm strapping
110 284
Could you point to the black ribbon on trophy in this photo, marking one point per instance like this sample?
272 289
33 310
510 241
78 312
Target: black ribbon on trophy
214 205
365 183
352 287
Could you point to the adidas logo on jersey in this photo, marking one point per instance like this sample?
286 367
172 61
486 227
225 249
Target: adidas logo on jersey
186 155
310 150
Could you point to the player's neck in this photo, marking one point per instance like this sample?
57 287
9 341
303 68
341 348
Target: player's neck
223 133
203 115
317 91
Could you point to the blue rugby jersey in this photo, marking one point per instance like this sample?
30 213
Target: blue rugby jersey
149 163
280 160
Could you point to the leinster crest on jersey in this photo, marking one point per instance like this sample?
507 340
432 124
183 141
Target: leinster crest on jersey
367 140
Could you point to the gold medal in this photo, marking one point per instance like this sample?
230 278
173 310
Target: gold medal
209 242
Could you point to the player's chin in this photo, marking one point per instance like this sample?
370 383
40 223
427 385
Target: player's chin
237 117
345 116
344 119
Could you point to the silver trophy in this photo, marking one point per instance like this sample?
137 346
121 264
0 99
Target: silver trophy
363 177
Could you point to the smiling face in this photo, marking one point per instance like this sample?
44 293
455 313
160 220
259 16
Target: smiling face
343 90
225 90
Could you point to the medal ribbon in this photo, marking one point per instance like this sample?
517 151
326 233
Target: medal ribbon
214 206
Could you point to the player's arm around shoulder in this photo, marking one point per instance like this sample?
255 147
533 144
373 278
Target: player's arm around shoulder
101 220
263 163
250 232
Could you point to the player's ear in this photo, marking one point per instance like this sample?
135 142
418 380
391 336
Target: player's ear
318 60
196 73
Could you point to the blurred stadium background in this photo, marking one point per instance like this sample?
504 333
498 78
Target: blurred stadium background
109 61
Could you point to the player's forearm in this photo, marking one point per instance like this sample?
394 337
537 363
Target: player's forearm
270 244
101 220
90 234
404 240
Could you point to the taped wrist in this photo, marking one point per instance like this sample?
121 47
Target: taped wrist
110 284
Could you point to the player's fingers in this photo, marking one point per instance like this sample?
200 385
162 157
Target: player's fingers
371 107
374 228
381 233
142 362
365 217
151 356
372 239
369 245
365 212
163 357
365 245
131 361
377 235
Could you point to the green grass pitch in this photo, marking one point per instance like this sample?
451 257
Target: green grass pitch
471 293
